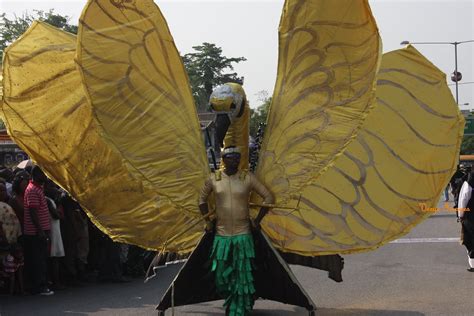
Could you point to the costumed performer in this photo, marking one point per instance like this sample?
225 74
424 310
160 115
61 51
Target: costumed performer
233 248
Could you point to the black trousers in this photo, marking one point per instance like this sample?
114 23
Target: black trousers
110 267
468 236
36 256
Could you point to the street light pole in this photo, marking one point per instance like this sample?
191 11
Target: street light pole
456 76
456 71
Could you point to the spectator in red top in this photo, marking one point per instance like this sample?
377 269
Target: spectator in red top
37 227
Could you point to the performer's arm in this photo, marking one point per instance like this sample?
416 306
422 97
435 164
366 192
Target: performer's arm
265 194
464 197
203 206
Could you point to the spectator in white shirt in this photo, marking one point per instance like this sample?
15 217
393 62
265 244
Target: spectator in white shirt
466 217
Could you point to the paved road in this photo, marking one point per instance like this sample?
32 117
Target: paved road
422 274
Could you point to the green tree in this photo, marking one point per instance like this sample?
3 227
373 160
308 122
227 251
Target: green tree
207 68
11 29
467 145
259 115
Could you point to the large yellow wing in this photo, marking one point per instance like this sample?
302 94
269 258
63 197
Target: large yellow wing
1 88
47 114
394 170
1 93
328 59
139 91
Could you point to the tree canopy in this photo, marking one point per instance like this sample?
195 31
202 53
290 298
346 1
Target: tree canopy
208 68
11 29
259 115
467 146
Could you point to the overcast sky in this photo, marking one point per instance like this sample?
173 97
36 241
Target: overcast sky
249 29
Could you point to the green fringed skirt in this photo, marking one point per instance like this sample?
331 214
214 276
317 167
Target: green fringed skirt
232 264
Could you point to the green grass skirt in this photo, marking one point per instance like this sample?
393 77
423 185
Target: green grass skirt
231 262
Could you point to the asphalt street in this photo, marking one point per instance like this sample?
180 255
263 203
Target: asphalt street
423 273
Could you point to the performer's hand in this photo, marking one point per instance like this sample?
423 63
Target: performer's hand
256 225
261 214
209 226
42 234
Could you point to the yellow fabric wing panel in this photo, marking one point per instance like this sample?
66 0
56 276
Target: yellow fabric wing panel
328 59
48 116
141 97
1 95
399 163
1 88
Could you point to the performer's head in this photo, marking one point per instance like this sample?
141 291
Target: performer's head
228 101
38 175
231 159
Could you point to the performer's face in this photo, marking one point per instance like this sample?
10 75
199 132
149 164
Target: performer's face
231 162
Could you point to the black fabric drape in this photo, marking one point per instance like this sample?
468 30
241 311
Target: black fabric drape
273 278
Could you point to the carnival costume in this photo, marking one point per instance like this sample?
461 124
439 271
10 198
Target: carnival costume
233 248
349 151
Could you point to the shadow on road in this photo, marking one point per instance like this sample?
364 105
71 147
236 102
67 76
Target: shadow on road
365 312
303 312
133 298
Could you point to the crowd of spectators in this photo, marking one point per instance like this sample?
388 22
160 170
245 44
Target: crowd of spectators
47 241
